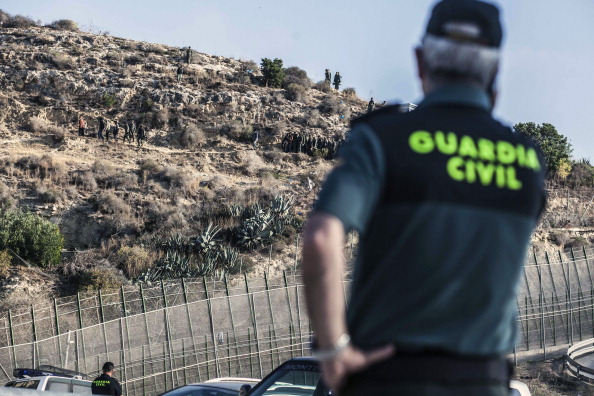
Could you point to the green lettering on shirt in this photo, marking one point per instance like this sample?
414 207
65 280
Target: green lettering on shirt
421 142
446 144
454 166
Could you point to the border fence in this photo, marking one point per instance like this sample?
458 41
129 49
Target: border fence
186 331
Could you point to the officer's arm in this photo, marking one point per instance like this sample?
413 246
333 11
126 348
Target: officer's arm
346 202
322 274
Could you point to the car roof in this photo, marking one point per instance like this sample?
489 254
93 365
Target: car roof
228 385
241 380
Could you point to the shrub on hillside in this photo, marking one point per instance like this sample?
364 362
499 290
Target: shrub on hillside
31 237
6 198
4 17
332 104
295 92
350 92
322 86
295 75
61 60
44 167
5 263
191 137
64 24
19 21
133 260
108 203
99 279
237 131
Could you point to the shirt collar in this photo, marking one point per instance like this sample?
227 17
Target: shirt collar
465 95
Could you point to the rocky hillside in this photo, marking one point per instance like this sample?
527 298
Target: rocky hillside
198 185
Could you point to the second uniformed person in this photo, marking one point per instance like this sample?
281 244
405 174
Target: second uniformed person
105 384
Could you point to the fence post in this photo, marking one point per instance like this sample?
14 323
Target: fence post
212 329
168 335
102 316
527 324
298 303
34 336
125 311
291 324
57 323
569 300
187 302
232 322
273 329
255 323
123 355
12 338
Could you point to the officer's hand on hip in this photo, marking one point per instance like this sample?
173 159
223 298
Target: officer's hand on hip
350 361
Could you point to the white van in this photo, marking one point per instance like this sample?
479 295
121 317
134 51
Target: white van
52 380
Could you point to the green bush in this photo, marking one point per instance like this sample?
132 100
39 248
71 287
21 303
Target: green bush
273 73
31 237
99 278
109 100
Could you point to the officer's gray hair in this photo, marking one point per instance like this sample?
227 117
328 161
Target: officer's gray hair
447 60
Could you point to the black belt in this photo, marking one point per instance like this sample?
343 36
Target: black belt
438 367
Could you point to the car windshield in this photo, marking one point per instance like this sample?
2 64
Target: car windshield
198 390
294 379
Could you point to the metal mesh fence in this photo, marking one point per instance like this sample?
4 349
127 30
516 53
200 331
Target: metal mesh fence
192 330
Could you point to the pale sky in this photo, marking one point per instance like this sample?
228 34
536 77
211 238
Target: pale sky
546 71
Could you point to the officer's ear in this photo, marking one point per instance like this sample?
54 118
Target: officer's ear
419 58
421 72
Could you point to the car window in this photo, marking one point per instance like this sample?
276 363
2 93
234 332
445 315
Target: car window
294 380
57 385
81 389
33 384
514 392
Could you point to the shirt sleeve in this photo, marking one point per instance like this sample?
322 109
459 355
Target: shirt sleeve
353 188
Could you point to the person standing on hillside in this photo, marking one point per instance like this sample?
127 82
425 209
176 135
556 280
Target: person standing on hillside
445 199
189 55
102 126
370 106
105 384
180 72
82 125
140 135
337 80
327 77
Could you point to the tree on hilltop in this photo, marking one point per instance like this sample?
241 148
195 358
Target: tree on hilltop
273 73
554 146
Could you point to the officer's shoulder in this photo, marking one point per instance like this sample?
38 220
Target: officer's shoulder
385 110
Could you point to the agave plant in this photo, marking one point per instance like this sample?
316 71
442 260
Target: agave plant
281 205
207 241
173 265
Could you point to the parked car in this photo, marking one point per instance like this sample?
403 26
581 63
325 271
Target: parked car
51 378
296 377
226 386
302 377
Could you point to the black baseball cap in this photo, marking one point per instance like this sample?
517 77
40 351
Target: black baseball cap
466 20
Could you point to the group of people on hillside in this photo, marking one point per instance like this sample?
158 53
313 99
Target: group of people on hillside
337 79
111 129
311 145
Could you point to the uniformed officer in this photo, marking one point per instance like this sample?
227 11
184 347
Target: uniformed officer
337 80
105 384
370 105
327 76
445 199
